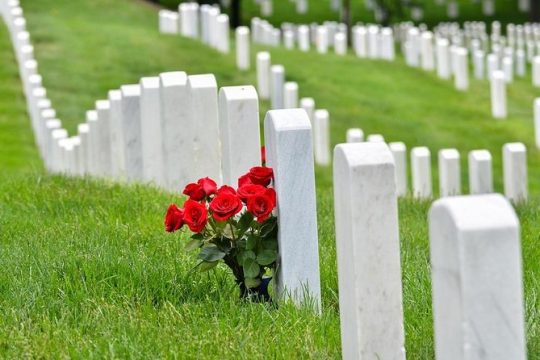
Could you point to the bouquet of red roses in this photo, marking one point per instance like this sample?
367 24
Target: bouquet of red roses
235 226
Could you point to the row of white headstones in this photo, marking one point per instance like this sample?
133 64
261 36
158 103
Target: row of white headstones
417 12
480 169
173 129
271 84
440 52
271 80
475 240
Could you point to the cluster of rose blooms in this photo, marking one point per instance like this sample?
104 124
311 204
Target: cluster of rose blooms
207 200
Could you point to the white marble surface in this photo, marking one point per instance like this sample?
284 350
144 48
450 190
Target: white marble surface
449 173
480 172
263 74
498 95
355 135
303 37
222 29
308 104
521 64
321 136
427 56
82 131
288 39
46 113
368 254
239 131
477 279
176 129
515 172
536 71
50 125
131 128
443 59
277 79
152 142
537 121
461 77
290 96
56 155
41 105
289 152
421 172
492 65
508 69
340 44
478 64
399 151
322 39
267 8
91 154
103 151
242 48
359 40
118 157
204 117
375 138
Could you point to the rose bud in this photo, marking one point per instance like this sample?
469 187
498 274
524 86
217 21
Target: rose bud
225 206
244 180
209 186
174 220
261 175
195 215
261 206
248 190
195 192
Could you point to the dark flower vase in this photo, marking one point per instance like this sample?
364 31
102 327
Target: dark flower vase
258 294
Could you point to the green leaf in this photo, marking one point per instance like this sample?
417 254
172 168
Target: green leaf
251 242
211 253
192 245
268 227
267 257
244 255
244 223
205 265
270 244
252 283
198 236
251 268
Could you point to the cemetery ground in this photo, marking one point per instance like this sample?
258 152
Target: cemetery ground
85 266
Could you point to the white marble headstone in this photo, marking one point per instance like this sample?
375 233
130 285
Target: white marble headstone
289 154
368 253
476 272
239 131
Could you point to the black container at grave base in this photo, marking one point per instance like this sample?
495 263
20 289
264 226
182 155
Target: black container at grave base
257 294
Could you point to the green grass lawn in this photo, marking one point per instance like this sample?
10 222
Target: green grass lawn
87 270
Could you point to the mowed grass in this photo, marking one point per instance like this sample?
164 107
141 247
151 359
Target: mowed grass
87 270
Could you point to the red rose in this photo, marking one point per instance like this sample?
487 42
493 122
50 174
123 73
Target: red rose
195 192
209 186
261 206
225 206
244 180
248 190
261 175
263 155
225 189
174 219
195 215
